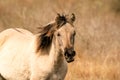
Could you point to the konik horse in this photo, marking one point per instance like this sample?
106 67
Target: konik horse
43 56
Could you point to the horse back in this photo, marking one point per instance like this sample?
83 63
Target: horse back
13 33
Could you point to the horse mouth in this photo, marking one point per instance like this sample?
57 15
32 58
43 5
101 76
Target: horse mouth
69 60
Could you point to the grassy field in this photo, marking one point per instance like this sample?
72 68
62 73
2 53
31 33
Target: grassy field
97 26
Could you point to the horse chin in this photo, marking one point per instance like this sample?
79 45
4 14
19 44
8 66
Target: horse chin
69 60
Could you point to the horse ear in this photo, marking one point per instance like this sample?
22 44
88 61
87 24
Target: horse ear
60 20
57 19
72 18
51 28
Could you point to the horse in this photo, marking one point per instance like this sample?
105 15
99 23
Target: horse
41 56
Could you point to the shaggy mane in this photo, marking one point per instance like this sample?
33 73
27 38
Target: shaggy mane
43 40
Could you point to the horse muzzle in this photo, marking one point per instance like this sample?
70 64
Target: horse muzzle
69 55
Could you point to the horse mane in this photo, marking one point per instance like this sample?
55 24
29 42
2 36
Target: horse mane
46 33
43 40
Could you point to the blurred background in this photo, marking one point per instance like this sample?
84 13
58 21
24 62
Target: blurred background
97 25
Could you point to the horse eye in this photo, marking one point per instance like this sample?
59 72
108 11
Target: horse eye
58 34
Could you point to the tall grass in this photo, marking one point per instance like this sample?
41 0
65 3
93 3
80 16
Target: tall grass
97 26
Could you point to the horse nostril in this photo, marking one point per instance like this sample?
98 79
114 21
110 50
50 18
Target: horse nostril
67 54
73 53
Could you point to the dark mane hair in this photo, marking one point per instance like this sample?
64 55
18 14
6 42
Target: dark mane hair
46 33
44 40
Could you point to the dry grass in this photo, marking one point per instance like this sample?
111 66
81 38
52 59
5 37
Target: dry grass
97 26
